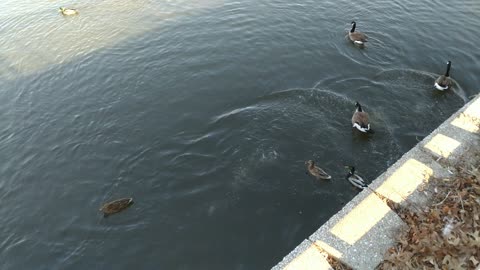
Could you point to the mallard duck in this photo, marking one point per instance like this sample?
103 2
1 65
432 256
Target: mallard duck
68 11
116 206
315 171
357 37
360 119
354 178
444 82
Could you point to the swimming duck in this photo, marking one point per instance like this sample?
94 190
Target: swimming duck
444 82
316 171
116 206
357 37
355 179
360 119
68 11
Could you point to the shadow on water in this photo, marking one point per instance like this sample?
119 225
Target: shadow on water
73 136
244 163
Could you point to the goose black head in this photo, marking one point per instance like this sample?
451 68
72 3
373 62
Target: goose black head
354 24
359 107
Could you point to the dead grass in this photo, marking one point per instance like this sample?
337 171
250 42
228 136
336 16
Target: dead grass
445 235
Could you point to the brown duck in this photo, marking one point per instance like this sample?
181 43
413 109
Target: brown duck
116 206
315 171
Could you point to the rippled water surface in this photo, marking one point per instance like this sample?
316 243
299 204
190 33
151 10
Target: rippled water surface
205 112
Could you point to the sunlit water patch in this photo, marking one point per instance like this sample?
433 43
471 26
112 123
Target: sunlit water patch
39 36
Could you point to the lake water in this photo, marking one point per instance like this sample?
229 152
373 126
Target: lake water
205 112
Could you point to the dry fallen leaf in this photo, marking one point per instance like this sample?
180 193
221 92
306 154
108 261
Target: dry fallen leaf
445 235
473 260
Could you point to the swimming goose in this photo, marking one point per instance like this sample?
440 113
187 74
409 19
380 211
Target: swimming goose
357 37
360 119
68 11
116 206
444 82
355 179
316 171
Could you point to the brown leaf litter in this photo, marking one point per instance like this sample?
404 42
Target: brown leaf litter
445 235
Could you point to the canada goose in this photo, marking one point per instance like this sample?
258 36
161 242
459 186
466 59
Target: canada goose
354 178
68 11
357 37
116 206
444 82
360 119
315 171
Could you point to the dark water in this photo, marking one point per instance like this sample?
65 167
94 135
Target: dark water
205 112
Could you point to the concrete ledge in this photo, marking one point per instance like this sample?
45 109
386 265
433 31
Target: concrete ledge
451 142
360 233
401 182
434 157
305 256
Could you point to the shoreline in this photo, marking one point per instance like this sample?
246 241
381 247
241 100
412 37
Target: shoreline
365 228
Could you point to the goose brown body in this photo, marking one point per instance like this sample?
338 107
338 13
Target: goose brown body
360 119
116 206
315 171
443 82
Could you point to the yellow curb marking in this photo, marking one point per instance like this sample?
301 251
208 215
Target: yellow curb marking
442 145
360 219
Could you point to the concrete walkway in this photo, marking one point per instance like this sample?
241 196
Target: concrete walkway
360 233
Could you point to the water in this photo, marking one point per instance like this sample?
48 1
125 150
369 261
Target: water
205 112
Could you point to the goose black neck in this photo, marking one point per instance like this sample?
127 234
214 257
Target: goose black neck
447 74
353 27
359 107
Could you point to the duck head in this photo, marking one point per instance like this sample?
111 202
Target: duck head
351 170
310 163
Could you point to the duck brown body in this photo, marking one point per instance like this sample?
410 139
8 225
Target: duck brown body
315 171
116 206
